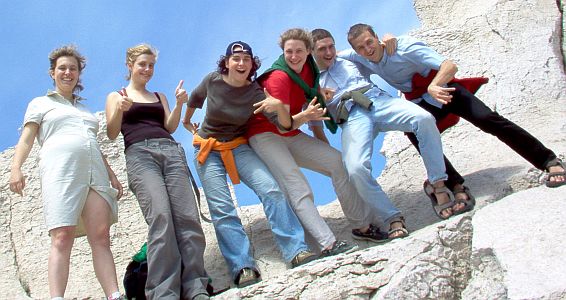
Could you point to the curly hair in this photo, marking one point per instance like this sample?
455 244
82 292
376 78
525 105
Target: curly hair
221 66
69 51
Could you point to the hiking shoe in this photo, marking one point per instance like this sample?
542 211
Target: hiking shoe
302 258
247 277
339 247
373 235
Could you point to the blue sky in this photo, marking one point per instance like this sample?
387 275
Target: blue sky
190 37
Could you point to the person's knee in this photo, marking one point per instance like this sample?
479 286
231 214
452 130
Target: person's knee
424 119
99 236
423 123
357 168
62 238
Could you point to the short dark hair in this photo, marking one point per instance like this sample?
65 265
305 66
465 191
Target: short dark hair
319 34
256 64
357 30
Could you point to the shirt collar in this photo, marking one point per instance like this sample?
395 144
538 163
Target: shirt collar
76 98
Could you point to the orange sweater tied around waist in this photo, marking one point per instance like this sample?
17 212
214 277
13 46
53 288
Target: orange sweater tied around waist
225 149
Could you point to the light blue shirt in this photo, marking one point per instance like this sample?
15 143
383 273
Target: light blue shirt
344 76
412 56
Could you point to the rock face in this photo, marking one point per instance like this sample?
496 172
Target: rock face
510 247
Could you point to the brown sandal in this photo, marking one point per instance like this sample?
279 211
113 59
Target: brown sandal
469 203
430 191
402 230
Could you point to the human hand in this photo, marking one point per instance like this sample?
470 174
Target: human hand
117 185
390 43
313 112
269 104
191 127
17 182
440 94
125 103
328 94
181 94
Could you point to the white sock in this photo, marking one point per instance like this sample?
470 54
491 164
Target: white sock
57 298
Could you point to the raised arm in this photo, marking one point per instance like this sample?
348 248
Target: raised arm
445 74
270 104
312 112
173 117
116 105
23 148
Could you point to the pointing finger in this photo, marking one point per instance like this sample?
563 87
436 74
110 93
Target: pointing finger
124 92
180 85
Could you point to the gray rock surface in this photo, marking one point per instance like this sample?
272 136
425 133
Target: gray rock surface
506 249
518 243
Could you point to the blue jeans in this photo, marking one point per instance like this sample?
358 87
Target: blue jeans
388 114
232 239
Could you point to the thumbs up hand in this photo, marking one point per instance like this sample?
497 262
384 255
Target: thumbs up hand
181 94
125 103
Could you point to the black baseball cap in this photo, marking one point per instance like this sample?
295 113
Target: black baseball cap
238 47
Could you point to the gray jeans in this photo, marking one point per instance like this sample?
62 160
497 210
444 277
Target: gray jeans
286 155
159 177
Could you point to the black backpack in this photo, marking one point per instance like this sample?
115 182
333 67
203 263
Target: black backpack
136 276
134 280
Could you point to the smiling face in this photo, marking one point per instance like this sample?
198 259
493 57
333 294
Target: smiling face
324 52
142 68
368 46
295 53
239 66
66 75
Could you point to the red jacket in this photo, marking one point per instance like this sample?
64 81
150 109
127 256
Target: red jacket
420 87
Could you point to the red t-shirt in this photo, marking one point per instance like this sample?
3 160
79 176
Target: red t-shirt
282 87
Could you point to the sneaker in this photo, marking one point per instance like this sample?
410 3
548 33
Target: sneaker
247 277
373 235
339 247
302 258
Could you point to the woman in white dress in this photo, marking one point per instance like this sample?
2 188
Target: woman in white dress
78 188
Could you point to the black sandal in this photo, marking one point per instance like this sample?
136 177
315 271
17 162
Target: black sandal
553 163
